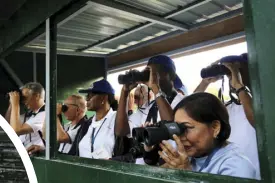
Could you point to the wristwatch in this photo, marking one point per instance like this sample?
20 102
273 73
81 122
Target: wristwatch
160 94
244 88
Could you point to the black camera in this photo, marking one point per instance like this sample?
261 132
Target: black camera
137 151
134 76
214 71
163 130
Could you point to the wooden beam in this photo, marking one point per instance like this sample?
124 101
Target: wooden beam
224 28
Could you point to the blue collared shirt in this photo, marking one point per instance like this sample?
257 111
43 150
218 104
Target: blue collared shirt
229 161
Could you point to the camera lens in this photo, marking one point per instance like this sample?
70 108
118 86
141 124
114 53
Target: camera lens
134 76
137 134
64 108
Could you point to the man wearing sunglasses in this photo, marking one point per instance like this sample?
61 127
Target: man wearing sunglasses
29 125
74 109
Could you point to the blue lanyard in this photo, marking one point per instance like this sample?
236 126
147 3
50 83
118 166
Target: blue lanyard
208 159
94 136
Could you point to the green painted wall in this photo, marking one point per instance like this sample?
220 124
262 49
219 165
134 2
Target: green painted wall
73 72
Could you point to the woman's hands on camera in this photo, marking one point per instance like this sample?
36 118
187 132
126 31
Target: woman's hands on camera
14 98
174 158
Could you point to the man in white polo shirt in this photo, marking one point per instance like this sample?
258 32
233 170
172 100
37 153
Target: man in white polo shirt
74 109
162 74
29 125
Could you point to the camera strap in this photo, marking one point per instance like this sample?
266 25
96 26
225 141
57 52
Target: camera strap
153 112
220 94
93 137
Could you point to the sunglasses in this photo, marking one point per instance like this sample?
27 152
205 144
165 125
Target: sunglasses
65 107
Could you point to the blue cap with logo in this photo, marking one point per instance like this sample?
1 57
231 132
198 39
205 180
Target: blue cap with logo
164 60
101 86
179 85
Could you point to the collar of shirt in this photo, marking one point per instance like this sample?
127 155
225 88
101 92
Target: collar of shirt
32 113
96 123
198 162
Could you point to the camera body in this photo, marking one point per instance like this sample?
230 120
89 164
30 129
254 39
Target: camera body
134 76
214 71
163 130
137 150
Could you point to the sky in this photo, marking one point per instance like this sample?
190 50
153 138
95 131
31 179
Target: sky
189 67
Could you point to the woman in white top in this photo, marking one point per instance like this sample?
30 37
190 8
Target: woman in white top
98 139
203 147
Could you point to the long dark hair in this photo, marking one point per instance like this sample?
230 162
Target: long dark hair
206 108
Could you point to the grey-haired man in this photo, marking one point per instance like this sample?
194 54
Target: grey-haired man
29 125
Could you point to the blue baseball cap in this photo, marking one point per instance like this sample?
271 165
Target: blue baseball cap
101 86
164 60
234 58
179 85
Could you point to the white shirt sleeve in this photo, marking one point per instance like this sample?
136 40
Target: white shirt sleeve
36 123
238 166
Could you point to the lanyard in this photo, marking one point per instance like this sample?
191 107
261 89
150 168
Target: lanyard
95 135
208 159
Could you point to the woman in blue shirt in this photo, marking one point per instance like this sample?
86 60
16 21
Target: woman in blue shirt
203 147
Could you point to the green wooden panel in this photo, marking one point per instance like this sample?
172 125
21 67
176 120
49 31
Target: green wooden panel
260 29
73 169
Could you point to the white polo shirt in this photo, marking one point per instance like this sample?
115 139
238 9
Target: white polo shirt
243 134
36 123
139 118
104 138
71 130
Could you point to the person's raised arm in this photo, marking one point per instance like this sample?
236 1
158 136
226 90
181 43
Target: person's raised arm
122 127
19 127
61 135
244 97
205 83
8 114
165 110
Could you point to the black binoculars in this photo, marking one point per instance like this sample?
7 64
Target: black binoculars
163 130
134 76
